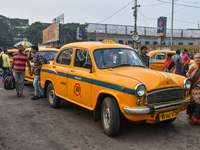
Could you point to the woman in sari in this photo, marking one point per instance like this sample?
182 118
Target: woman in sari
169 65
194 73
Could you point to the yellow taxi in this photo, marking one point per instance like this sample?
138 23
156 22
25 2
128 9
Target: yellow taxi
47 53
111 80
10 54
157 58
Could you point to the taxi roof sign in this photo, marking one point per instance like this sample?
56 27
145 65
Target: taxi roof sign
108 42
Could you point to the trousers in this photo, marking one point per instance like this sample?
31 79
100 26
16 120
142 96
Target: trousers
6 72
37 86
19 81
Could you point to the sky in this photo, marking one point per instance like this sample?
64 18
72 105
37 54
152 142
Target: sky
96 11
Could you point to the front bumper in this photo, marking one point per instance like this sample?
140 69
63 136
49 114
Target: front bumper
152 109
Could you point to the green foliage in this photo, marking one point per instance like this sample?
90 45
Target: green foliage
34 32
6 30
70 32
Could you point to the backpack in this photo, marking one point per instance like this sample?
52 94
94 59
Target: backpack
9 83
1 61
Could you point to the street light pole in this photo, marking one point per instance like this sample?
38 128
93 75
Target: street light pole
135 26
172 22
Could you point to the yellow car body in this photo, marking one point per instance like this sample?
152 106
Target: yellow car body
157 58
94 87
46 52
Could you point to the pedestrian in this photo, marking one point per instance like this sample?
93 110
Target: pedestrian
185 61
194 73
143 55
38 61
169 65
19 65
178 61
6 65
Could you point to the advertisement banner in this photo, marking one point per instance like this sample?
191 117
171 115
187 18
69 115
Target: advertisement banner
51 34
79 33
161 27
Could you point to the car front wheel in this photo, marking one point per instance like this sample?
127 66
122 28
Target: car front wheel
54 101
110 116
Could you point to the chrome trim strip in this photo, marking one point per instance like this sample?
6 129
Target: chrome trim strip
173 107
157 108
176 103
163 74
136 110
166 89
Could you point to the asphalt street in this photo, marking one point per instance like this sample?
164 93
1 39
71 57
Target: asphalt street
34 125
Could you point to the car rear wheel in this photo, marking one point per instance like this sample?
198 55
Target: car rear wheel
54 101
110 116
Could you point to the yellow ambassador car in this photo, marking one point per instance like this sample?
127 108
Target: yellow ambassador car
10 54
157 58
111 80
47 53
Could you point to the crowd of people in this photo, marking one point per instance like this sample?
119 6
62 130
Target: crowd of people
18 67
178 64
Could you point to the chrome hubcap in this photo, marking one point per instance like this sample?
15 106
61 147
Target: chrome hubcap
51 96
106 116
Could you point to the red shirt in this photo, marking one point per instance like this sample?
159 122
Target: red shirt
20 62
166 62
185 59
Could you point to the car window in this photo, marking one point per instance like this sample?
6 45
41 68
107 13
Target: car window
153 57
81 57
160 56
48 55
116 57
65 57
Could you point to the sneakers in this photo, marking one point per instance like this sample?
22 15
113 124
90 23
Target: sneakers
3 80
37 97
34 97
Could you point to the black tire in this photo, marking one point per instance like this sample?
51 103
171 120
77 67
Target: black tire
54 101
110 116
169 121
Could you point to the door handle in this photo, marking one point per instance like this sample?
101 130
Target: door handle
72 70
54 66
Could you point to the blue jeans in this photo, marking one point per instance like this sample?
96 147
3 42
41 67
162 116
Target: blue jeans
37 86
6 72
184 70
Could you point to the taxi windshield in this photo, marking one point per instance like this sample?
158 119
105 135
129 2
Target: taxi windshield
116 57
48 55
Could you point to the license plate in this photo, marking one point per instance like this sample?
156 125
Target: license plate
168 115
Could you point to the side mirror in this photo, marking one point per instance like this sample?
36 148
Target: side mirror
88 66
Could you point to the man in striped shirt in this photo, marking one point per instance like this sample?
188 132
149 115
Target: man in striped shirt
19 65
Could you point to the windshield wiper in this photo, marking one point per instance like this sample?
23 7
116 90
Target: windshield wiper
139 66
123 65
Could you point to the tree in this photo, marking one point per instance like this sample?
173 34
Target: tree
70 32
6 31
34 32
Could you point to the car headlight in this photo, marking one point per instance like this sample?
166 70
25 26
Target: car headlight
140 90
187 84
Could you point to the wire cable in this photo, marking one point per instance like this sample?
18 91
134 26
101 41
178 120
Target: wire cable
179 4
116 12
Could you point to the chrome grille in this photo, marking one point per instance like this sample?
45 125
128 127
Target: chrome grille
166 95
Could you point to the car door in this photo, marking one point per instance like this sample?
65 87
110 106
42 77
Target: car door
27 75
80 79
61 68
157 61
